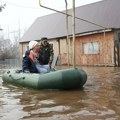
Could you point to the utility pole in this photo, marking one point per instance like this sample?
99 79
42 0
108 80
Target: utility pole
73 31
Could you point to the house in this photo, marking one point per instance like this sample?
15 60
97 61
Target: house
94 44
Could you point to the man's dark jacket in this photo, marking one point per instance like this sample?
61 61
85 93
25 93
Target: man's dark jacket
47 53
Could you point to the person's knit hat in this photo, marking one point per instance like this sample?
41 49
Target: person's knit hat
32 44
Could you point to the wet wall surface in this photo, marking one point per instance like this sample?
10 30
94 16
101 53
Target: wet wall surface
98 100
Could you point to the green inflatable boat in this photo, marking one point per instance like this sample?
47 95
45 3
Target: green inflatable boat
60 79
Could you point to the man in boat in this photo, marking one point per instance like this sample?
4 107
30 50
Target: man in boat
46 51
32 60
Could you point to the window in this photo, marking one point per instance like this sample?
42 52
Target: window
91 48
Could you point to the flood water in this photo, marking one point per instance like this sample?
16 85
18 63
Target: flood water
98 100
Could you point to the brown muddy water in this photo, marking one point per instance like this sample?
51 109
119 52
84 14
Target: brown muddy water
98 100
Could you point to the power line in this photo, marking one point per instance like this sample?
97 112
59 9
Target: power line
21 5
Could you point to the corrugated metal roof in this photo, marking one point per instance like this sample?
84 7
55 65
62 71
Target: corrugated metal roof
105 13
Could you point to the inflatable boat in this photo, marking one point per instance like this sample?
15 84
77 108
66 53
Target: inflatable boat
60 79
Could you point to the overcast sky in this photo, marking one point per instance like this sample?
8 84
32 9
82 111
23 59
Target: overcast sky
24 12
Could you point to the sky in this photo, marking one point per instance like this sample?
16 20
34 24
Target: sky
20 14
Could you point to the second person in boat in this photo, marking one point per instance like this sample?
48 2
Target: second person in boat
46 51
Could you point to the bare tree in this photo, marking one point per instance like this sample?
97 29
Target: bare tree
9 50
5 46
2 6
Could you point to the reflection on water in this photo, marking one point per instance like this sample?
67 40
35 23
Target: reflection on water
98 100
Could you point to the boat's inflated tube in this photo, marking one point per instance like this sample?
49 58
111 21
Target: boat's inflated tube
60 79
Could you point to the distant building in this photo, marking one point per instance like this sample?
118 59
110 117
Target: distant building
94 45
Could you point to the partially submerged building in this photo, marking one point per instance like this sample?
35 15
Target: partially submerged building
94 44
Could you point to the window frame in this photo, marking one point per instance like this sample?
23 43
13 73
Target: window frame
89 48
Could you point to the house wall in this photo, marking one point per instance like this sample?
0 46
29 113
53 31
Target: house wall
63 58
23 48
104 57
106 50
55 46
